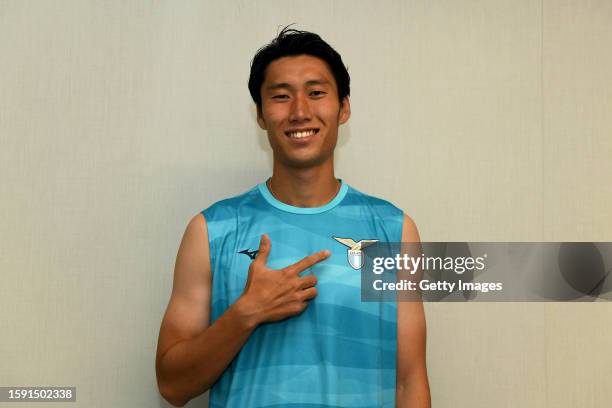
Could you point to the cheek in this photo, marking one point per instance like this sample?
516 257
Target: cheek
330 113
273 116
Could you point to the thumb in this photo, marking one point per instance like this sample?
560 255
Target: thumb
264 249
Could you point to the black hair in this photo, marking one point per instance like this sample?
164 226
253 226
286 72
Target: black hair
290 42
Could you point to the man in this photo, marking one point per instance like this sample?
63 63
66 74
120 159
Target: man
265 309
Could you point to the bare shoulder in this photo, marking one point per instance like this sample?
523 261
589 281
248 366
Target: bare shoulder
188 311
192 267
410 233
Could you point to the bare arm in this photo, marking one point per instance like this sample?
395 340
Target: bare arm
412 384
191 353
184 364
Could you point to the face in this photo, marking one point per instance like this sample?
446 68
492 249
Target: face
301 111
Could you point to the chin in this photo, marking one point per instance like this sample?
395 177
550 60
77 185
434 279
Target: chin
304 162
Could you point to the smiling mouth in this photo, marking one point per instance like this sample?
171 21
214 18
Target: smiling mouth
301 134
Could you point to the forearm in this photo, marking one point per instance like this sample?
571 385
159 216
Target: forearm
191 367
413 392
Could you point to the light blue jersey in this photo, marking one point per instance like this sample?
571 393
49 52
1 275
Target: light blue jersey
340 352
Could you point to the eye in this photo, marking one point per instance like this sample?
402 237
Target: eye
282 96
317 93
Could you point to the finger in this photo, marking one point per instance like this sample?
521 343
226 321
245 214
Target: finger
308 261
309 293
308 281
264 249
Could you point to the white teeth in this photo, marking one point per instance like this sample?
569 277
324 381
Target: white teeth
299 135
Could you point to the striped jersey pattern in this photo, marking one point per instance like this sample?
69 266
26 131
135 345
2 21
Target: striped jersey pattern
340 352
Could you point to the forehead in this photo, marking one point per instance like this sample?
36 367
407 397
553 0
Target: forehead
297 70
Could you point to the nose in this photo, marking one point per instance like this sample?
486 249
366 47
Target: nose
300 109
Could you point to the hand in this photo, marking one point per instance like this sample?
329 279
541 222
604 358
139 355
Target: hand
272 295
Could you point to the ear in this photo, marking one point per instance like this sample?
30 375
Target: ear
260 120
345 111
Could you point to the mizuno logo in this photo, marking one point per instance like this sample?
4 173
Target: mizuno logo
250 254
354 254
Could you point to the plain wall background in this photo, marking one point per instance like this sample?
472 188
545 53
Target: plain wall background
119 121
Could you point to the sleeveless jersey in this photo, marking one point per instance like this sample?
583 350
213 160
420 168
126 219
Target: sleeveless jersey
340 352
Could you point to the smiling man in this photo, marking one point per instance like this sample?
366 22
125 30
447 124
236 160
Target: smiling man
266 308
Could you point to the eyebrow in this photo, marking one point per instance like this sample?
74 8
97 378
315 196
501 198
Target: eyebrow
283 85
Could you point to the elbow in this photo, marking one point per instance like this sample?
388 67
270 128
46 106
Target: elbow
173 389
171 397
175 395
165 388
169 393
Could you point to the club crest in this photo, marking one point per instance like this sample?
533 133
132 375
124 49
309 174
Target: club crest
354 252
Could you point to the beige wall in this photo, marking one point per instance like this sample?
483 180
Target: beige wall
485 120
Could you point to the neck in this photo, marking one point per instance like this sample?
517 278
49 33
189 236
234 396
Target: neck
304 187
